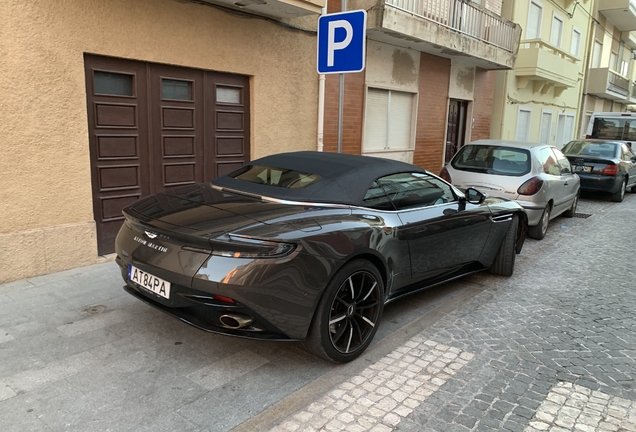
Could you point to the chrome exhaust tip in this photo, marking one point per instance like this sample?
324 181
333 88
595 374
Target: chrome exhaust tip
235 321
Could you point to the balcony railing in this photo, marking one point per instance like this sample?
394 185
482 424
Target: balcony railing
466 18
617 83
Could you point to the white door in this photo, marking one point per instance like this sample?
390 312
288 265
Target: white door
546 128
560 130
523 125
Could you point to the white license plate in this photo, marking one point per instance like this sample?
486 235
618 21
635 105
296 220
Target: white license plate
582 168
148 281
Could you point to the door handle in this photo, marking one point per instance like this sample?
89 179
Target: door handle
566 183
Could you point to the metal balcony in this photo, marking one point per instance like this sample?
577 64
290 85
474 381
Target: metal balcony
607 84
621 13
447 28
546 66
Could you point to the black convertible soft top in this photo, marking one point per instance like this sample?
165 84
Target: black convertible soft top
345 178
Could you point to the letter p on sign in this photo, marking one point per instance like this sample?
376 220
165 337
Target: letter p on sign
342 42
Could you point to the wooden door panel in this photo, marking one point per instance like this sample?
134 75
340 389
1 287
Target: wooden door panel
154 127
177 104
117 141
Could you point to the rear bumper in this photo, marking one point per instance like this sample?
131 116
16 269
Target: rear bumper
199 309
609 184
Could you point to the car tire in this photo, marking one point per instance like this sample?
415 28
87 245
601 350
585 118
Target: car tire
538 231
504 263
348 314
619 195
572 210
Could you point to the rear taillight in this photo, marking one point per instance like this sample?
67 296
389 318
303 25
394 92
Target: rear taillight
588 136
239 246
610 169
445 175
530 187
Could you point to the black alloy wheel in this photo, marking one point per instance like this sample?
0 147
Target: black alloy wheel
504 263
348 314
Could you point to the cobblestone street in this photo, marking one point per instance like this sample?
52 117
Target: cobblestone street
552 348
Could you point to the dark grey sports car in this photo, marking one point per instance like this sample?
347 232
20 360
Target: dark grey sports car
310 246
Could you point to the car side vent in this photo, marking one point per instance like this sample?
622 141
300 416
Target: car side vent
502 218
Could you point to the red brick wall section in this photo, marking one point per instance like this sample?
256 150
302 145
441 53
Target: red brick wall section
352 115
431 113
482 105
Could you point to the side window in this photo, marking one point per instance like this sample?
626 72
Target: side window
415 190
563 161
376 198
549 162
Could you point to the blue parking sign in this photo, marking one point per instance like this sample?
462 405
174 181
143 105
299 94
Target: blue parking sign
342 42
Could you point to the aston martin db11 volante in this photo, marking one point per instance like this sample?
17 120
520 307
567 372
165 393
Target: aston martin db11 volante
310 246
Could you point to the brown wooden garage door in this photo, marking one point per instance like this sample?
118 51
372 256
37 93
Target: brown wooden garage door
153 127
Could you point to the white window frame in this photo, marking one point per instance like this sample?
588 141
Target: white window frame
528 127
577 51
556 16
413 128
550 126
540 5
560 141
597 55
613 61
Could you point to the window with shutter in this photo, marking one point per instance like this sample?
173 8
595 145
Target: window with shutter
523 124
388 120
569 130
575 46
546 128
534 21
596 56
557 31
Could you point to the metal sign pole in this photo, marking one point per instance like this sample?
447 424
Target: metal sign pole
341 96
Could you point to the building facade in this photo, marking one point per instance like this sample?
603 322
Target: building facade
429 79
611 68
108 101
539 100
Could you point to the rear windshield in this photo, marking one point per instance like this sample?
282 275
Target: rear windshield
271 176
499 160
623 129
586 148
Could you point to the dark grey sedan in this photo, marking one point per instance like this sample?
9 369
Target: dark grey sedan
602 165
310 246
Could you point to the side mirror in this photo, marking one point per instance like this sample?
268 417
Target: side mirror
473 196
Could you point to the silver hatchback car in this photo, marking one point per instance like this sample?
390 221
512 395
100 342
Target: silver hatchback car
538 176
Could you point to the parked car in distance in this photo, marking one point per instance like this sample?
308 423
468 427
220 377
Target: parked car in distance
310 246
603 165
538 176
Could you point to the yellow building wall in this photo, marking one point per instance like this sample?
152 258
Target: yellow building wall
46 215
509 97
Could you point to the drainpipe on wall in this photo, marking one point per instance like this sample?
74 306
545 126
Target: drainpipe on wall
591 36
321 102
